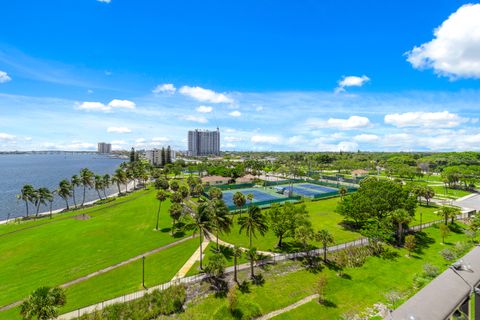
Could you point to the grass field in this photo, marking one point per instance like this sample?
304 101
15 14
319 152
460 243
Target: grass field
54 253
451 193
359 289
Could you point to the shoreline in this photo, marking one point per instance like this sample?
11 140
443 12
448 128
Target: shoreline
57 211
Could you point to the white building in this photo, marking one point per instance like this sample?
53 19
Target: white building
104 147
204 142
160 157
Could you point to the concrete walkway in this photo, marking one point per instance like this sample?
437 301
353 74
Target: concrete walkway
229 245
107 269
288 308
191 261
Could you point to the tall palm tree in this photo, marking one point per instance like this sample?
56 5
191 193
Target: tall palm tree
50 196
237 253
75 182
119 178
215 193
239 200
326 238
252 222
220 218
176 210
41 196
202 224
65 191
26 195
161 196
106 183
401 217
252 256
86 179
250 197
98 184
43 303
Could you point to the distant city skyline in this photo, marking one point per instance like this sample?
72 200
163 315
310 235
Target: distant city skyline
299 76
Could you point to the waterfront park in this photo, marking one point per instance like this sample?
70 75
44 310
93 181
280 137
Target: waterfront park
266 257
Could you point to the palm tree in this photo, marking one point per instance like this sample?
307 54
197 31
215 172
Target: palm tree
161 196
43 303
41 195
176 210
449 212
65 191
215 193
252 256
106 183
252 222
250 197
401 217
26 195
119 178
325 238
237 253
75 182
49 196
86 180
220 218
201 224
343 192
239 200
98 184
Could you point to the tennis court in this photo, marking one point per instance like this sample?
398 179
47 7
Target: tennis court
258 195
307 189
321 189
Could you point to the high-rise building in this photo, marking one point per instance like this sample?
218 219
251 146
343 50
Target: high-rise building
104 147
160 157
203 142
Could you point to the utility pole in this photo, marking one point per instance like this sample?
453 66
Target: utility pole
143 271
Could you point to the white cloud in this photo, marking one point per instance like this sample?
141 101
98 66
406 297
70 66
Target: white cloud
160 139
259 108
140 140
105 1
4 77
121 104
454 51
114 104
268 139
6 137
232 139
354 122
443 119
118 142
199 119
204 109
364 137
351 81
207 95
118 130
165 88
235 113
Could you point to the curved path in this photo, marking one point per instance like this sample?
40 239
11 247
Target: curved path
288 308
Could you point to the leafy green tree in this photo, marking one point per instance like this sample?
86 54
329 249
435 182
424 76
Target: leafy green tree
86 179
26 195
285 219
215 193
400 217
65 191
304 235
43 303
161 197
184 192
161 184
342 191
215 267
198 190
175 211
428 193
326 238
174 185
448 213
410 243
444 231
252 222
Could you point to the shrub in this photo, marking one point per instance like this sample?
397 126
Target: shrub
232 298
430 271
448 254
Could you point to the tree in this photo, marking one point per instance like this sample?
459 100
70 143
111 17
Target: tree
132 155
237 253
252 222
320 288
428 193
221 220
175 211
444 231
98 184
119 177
26 195
239 200
343 192
252 257
215 267
232 298
326 238
285 219
174 185
161 184
448 213
43 304
49 196
86 180
304 235
105 183
215 193
401 217
75 182
410 243
250 197
184 192
161 196
41 196
198 190
65 191
202 224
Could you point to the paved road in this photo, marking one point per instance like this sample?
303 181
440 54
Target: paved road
471 202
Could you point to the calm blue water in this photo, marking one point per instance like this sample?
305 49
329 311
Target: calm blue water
46 170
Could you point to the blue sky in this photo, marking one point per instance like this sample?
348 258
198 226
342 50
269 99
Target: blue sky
273 75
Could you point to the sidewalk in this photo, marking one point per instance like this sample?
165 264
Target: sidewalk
191 261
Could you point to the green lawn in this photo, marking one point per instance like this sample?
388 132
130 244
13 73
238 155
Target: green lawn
359 289
451 193
54 253
427 214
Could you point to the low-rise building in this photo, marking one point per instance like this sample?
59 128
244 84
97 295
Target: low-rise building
215 180
160 157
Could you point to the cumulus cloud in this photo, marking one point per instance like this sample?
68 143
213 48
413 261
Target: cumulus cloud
442 119
160 139
454 51
268 139
114 104
105 1
4 77
347 146
235 113
352 123
199 119
205 95
118 130
351 81
6 137
364 137
165 88
232 139
204 109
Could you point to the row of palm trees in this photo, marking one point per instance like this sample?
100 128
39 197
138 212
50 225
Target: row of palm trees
86 179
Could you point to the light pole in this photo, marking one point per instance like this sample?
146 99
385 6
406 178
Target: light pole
143 271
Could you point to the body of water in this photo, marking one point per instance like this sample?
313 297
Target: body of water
47 170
